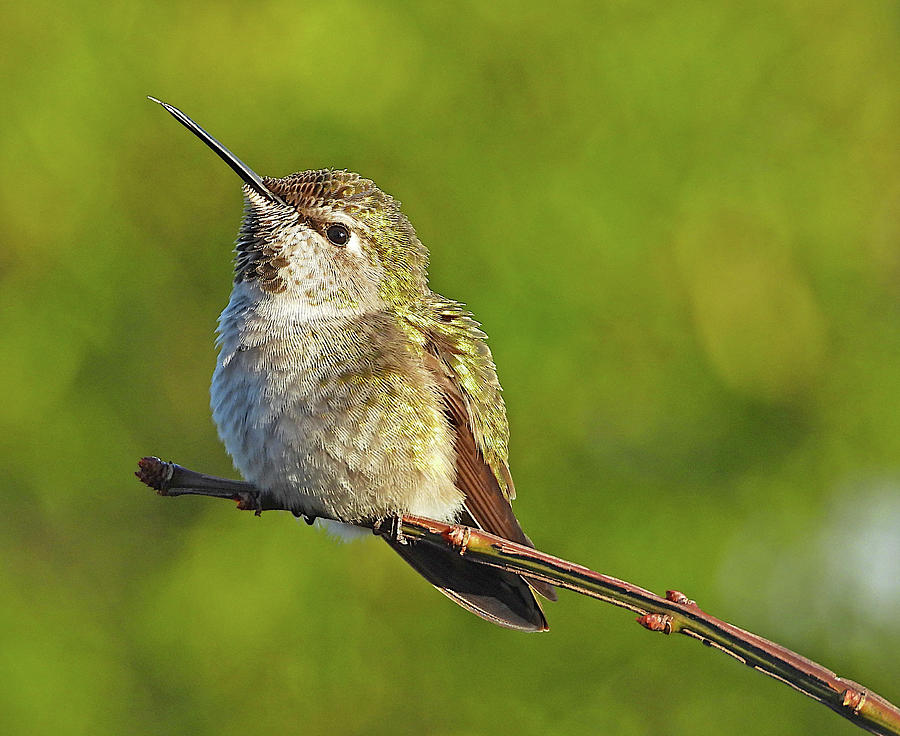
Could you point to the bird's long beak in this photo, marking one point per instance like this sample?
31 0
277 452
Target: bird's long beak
249 176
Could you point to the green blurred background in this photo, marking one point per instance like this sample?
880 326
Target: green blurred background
679 225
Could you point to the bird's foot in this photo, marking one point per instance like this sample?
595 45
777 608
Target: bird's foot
249 501
390 528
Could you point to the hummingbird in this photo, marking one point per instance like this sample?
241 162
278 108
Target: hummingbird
349 391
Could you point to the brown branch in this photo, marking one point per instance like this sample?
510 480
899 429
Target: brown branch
673 614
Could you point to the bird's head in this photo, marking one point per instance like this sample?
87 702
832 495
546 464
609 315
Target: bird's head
329 241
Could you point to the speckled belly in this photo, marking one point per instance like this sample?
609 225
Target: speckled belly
336 420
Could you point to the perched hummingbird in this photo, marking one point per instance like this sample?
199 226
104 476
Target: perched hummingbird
350 391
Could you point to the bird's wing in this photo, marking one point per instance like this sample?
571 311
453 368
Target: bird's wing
486 483
485 501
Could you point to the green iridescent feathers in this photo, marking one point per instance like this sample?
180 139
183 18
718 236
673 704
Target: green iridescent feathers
456 340
440 329
403 257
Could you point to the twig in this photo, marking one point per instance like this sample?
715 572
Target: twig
673 614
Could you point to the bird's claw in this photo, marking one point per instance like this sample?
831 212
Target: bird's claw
247 501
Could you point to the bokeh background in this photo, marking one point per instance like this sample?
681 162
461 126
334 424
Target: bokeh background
680 225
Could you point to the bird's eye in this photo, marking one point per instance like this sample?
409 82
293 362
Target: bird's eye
337 233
